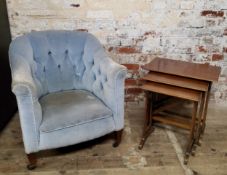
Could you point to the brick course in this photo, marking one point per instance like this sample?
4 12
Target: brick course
224 49
212 13
217 57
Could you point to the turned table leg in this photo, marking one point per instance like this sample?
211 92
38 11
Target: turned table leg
148 129
192 133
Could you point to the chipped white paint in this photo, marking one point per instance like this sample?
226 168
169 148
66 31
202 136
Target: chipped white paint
100 14
133 159
187 5
157 4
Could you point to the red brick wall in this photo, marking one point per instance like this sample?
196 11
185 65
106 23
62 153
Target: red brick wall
134 32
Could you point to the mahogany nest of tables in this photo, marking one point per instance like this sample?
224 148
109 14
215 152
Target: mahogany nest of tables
181 80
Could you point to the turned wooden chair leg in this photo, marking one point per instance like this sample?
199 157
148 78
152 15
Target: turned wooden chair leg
32 161
118 135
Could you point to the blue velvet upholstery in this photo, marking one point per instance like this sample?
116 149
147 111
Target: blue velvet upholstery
66 87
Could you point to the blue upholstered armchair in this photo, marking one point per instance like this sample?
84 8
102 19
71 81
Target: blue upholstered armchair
68 90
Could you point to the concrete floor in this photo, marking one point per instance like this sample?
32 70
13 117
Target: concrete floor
161 155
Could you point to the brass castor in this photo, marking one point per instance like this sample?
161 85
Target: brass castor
186 157
141 144
193 150
199 143
32 161
118 135
193 153
31 167
185 161
145 136
115 144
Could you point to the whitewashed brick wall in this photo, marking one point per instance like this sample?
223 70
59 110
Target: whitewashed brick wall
134 31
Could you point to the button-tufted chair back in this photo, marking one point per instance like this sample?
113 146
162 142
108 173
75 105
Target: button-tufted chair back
64 60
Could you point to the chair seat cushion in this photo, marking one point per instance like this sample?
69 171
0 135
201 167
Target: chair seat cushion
69 108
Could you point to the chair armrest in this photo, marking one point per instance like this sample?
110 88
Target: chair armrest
21 57
24 87
115 98
115 72
111 92
30 114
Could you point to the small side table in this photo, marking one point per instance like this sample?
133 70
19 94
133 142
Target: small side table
188 81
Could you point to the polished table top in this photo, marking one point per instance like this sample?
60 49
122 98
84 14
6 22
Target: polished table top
185 69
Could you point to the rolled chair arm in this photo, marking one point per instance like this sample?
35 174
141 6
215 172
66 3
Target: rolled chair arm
118 84
112 93
25 89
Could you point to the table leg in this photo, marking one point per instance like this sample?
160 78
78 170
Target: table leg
204 113
192 133
148 128
148 109
205 108
199 120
